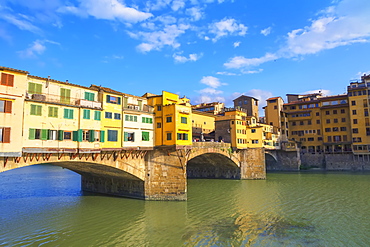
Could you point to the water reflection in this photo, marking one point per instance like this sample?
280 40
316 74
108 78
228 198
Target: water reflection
43 205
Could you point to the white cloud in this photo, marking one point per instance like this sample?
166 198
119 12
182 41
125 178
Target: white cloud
227 27
209 90
225 73
21 21
242 62
259 94
158 39
236 44
346 23
266 31
211 81
107 10
36 48
182 59
359 74
195 13
252 71
178 4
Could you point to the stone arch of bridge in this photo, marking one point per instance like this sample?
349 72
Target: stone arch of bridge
213 165
117 169
270 160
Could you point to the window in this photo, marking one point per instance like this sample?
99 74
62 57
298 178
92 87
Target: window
328 121
89 135
169 136
366 112
117 116
159 125
4 135
169 119
184 120
108 115
52 135
253 130
319 132
354 112
7 80
343 128
145 136
112 135
67 135
327 129
353 102
159 108
254 141
86 114
147 120
129 137
343 120
65 95
34 88
301 123
89 96
113 99
182 136
327 112
355 131
329 138
6 106
335 120
354 121
318 121
342 111
335 129
53 111
68 113
36 110
309 122
294 123
97 115
38 134
310 139
317 114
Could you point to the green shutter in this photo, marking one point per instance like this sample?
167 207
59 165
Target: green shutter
44 134
31 134
60 135
97 115
145 136
102 135
178 136
33 110
125 137
50 114
31 87
38 110
91 135
186 137
65 95
127 118
108 98
143 119
125 101
119 100
135 118
38 88
77 136
86 114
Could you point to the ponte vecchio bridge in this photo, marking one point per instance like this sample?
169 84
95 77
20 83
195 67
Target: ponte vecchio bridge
159 174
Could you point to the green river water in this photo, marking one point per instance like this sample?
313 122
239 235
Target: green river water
43 206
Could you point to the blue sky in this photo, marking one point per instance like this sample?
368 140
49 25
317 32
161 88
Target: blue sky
207 50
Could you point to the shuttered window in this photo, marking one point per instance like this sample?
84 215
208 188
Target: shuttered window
7 80
5 134
53 111
97 115
113 99
89 96
68 113
86 114
36 110
65 96
145 136
6 106
112 135
34 88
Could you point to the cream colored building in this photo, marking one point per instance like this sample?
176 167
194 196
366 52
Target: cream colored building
13 86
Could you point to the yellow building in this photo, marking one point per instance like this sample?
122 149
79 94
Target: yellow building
214 108
319 124
358 97
231 128
203 126
111 117
13 86
60 116
172 119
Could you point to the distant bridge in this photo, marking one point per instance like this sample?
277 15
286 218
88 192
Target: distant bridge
159 174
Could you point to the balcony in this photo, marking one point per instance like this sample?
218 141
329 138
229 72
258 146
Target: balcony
57 99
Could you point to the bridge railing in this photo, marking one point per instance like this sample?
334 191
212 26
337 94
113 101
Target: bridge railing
211 145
